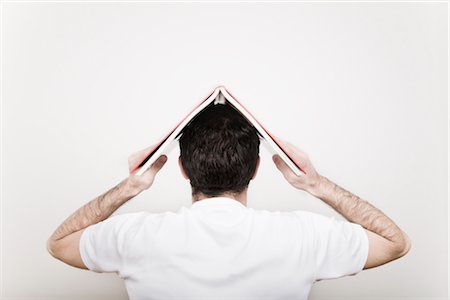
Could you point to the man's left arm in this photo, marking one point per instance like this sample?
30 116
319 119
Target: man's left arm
64 242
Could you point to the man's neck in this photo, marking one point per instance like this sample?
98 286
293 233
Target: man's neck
241 197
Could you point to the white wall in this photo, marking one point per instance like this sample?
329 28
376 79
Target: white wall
361 87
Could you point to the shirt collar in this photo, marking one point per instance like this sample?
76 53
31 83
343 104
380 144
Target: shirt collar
217 202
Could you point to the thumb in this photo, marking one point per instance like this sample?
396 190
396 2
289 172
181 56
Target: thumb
280 164
157 165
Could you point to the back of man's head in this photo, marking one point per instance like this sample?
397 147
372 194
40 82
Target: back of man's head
219 151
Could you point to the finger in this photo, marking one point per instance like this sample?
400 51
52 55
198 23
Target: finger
137 157
286 146
299 157
132 162
278 140
157 165
293 148
280 164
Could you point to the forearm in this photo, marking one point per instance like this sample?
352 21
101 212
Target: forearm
357 210
96 210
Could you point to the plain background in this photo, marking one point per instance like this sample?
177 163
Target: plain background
361 87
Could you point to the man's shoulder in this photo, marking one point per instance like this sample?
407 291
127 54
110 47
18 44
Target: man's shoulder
287 214
303 218
148 215
133 217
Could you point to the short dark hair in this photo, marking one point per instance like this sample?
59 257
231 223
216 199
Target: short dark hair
219 151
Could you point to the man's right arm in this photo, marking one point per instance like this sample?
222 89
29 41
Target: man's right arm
387 241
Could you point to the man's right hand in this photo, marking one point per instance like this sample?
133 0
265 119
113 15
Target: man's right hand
306 182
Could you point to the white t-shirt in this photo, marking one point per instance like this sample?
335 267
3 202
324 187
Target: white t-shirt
218 248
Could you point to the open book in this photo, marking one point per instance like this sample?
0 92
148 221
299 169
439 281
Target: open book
220 96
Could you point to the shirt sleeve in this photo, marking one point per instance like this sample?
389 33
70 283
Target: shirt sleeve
103 245
340 247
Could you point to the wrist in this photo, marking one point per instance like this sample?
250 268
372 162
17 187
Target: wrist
131 188
317 186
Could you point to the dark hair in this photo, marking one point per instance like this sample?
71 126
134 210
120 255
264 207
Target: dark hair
219 151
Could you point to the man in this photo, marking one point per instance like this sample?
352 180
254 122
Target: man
219 248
